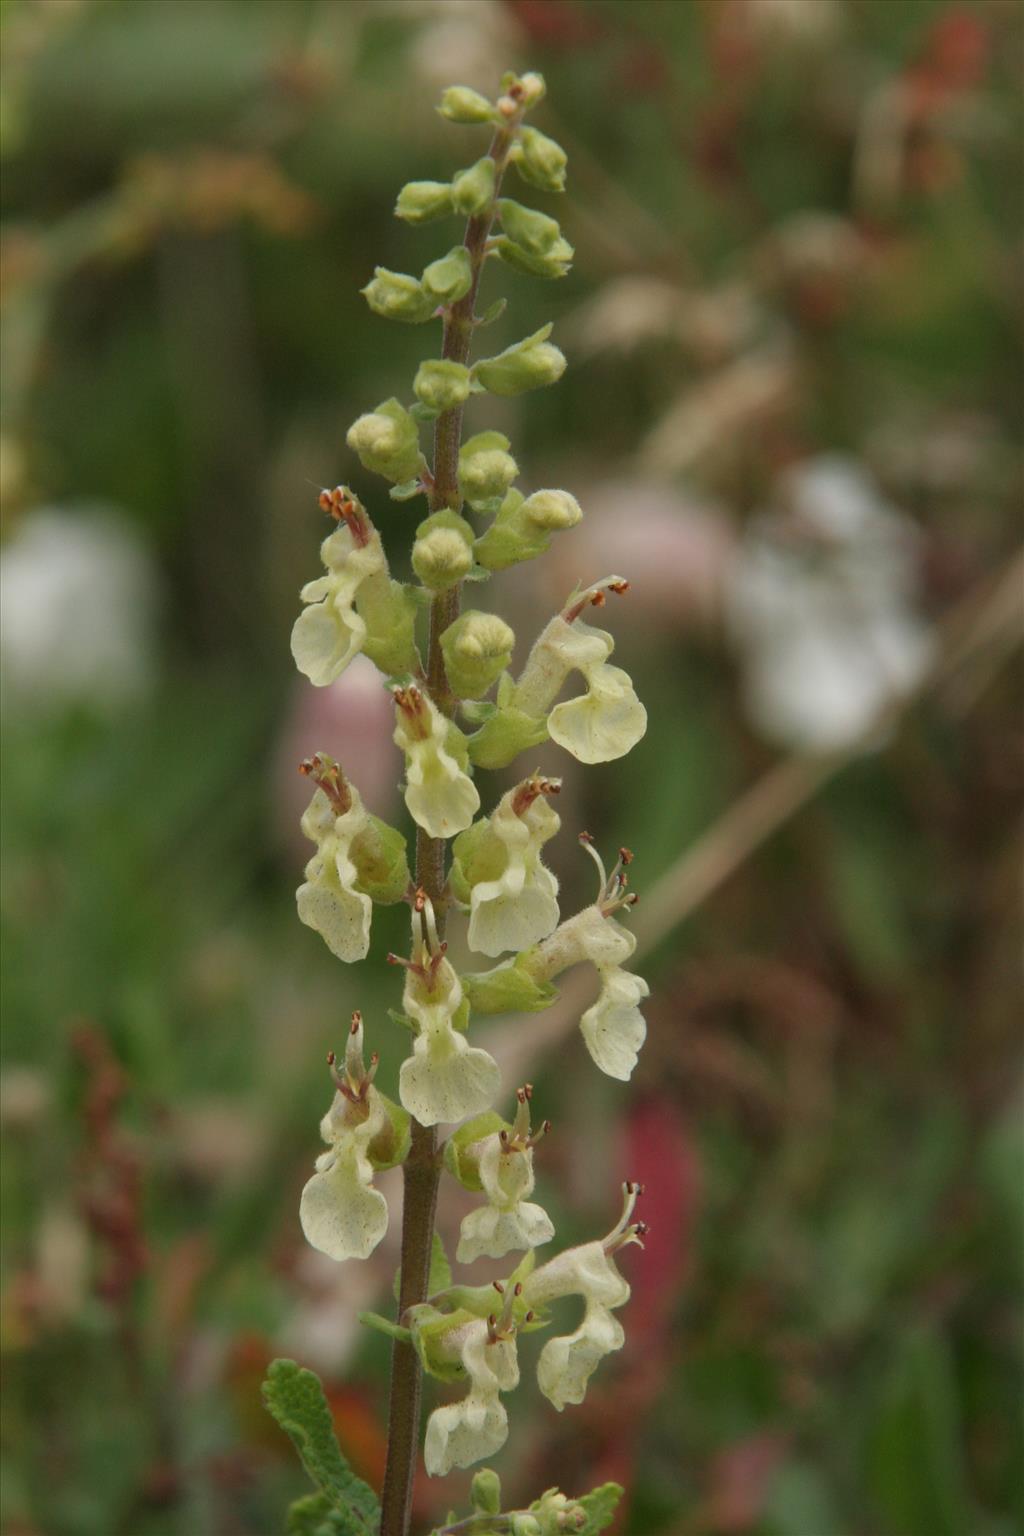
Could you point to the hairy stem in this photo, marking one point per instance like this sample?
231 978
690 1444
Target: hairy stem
422 1168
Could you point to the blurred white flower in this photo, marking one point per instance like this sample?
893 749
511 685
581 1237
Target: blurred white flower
78 595
821 604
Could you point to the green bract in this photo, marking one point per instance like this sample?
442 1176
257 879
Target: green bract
528 364
421 201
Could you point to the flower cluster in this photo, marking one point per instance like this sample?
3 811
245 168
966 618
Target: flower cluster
460 710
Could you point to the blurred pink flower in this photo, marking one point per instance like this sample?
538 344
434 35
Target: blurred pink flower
674 551
352 720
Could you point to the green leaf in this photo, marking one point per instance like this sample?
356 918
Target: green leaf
440 1277
316 1515
384 1325
600 1506
295 1398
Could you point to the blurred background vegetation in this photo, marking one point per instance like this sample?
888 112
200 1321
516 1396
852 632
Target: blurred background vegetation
792 417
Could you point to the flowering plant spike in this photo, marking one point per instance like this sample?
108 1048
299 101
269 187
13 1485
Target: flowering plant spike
459 712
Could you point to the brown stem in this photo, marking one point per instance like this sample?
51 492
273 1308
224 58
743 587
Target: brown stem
422 1169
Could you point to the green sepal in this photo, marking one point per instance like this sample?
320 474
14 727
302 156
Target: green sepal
385 1325
476 711
390 1146
477 854
528 364
485 1491
441 384
428 1326
398 1017
458 1158
387 441
477 648
420 202
295 1398
461 104
540 161
536 232
508 732
507 988
398 296
473 188
486 468
388 609
450 277
555 263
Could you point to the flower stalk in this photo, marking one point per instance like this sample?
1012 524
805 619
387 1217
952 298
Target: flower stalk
457 711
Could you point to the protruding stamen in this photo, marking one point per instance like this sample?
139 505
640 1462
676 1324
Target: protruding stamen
593 596
618 1235
328 776
587 842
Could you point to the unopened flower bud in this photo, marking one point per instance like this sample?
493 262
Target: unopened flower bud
486 468
461 104
558 1515
443 551
485 1492
473 188
421 201
523 527
533 230
524 1525
440 384
387 442
540 161
397 296
532 89
527 364
450 277
553 264
477 648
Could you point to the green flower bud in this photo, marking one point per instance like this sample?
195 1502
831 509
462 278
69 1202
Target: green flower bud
473 189
387 441
540 161
450 277
533 230
523 527
390 1146
477 648
443 551
439 384
397 296
421 201
486 468
507 988
388 609
460 1157
382 870
558 1515
461 104
524 1525
528 364
530 88
504 735
485 1492
555 263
